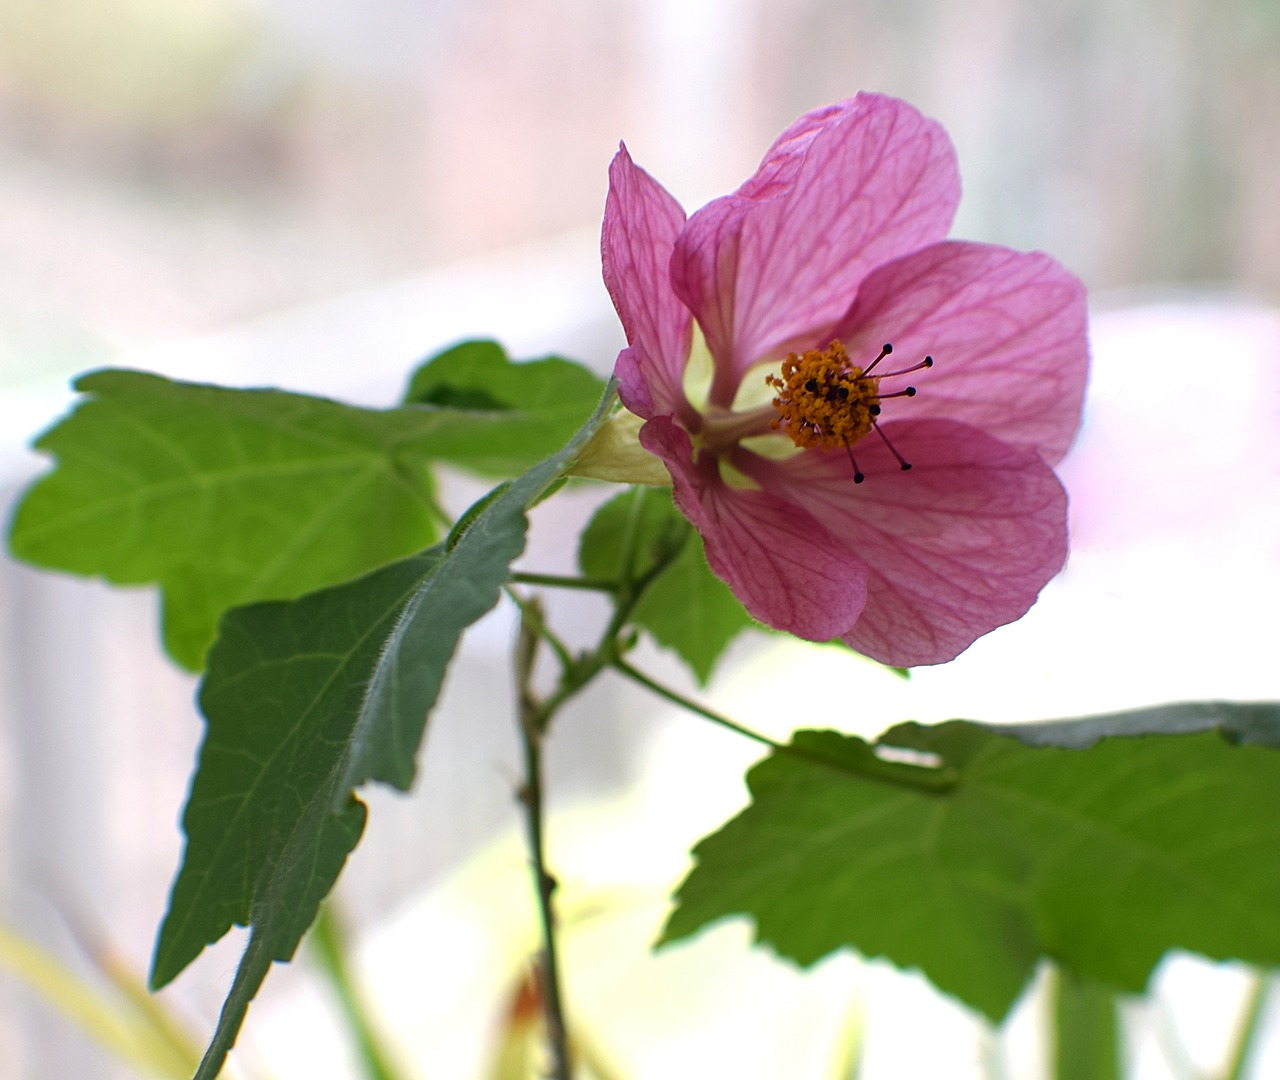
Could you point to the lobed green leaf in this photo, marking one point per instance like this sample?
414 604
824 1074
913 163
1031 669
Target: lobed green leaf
225 497
1101 858
304 701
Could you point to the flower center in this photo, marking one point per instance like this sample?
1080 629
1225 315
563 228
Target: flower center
823 400
826 402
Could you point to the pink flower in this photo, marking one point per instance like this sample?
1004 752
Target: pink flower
905 514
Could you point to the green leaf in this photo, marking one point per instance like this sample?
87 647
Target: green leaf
690 610
1101 859
1240 721
305 700
631 534
518 413
224 497
686 608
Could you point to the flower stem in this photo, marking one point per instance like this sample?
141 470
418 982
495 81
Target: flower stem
532 724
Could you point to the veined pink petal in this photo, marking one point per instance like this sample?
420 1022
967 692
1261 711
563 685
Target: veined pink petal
840 233
641 223
787 571
960 544
777 171
1007 332
780 264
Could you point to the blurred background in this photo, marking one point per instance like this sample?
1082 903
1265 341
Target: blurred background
318 193
170 167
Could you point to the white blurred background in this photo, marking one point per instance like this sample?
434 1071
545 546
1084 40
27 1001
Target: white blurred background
170 167
318 194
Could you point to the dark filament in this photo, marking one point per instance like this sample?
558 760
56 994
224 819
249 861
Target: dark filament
927 362
857 473
885 350
901 460
842 394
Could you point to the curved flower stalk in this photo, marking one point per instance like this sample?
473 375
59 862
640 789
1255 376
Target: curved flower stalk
859 416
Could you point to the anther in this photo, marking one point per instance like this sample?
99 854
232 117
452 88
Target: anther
825 401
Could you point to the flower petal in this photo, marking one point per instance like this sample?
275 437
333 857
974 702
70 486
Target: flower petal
1007 332
960 544
779 261
777 172
641 223
787 571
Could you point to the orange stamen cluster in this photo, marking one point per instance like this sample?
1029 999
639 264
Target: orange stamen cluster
823 400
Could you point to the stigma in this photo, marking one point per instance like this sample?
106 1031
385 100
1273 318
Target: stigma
826 402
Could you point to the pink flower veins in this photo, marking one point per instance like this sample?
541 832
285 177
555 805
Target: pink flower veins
922 523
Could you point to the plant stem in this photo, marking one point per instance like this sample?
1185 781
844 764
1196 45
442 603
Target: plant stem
535 716
329 942
532 611
623 668
555 581
532 726
865 763
1086 1028
1254 1002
